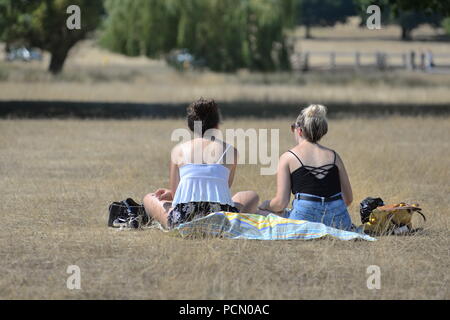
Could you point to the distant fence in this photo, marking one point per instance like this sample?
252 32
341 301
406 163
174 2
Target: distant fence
412 60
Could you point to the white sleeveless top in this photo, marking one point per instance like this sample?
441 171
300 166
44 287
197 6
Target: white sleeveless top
203 183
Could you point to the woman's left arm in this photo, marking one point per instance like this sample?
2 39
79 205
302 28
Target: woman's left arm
283 195
346 188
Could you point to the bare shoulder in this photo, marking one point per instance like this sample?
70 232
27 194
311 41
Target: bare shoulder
332 152
286 157
233 151
231 148
325 148
338 161
176 155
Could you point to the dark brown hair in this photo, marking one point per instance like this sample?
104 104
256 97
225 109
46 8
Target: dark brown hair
204 110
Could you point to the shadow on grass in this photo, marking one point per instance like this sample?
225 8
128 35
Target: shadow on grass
236 109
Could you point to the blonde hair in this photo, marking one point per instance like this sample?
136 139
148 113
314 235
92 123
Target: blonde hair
313 122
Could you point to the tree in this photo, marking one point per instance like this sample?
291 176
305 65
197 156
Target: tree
228 34
15 20
140 27
446 25
323 13
409 20
431 6
407 14
441 7
42 24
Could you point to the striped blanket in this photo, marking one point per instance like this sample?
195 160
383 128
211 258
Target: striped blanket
258 227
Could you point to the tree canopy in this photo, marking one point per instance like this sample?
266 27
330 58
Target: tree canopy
407 14
323 13
228 35
42 24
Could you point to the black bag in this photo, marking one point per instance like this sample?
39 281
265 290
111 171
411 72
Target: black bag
127 214
367 206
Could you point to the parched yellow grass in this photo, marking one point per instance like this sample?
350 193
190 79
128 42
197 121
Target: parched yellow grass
176 93
58 177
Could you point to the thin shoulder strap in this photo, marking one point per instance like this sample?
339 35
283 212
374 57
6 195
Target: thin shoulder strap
296 157
223 154
334 162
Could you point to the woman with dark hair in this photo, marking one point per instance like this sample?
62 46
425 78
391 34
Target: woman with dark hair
200 185
315 174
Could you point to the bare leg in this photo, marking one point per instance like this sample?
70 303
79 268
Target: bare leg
157 209
246 201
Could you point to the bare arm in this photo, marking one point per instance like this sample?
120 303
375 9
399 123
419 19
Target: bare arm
283 195
174 173
346 187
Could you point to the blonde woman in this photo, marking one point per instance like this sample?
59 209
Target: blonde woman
315 175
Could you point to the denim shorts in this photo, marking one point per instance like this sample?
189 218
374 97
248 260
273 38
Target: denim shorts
333 213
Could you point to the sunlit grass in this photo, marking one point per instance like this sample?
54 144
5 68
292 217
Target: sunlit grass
58 178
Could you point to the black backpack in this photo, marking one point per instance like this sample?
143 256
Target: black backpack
367 206
127 214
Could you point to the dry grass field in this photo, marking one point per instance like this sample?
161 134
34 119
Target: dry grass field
58 177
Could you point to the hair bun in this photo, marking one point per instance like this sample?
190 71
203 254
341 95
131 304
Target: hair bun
316 111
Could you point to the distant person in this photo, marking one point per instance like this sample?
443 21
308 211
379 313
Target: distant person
429 60
412 59
314 174
199 186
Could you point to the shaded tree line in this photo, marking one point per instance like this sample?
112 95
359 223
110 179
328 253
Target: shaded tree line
408 14
228 35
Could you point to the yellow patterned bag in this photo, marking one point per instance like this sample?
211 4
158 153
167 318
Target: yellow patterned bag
392 219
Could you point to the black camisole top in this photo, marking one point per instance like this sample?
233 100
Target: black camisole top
305 179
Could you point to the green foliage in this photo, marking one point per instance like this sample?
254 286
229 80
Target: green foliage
135 27
446 25
407 14
15 20
228 34
42 24
323 12
409 20
441 7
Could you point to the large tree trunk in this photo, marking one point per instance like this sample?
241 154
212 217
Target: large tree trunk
57 60
406 34
308 31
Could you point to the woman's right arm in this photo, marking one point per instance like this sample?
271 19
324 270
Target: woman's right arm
283 195
174 178
174 172
346 188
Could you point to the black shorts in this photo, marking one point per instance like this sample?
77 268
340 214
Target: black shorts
185 212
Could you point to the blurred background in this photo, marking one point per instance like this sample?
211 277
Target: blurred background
258 57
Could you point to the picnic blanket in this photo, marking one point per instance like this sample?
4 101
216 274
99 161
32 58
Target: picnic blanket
258 227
